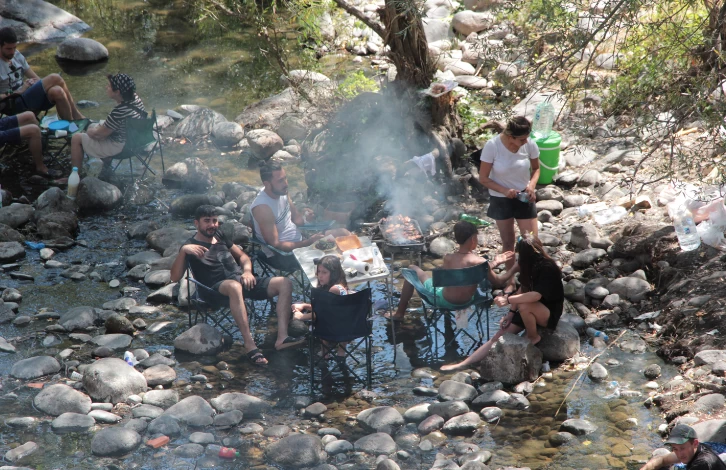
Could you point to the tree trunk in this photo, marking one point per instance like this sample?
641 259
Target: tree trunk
404 34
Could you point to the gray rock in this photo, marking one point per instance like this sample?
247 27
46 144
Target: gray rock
298 450
166 425
490 398
467 22
161 398
190 410
652 371
34 367
588 257
112 380
561 438
101 416
227 134
549 240
189 451
574 200
159 375
554 207
338 447
515 401
157 359
24 422
292 126
21 451
14 216
578 427
202 438
512 359
201 339
380 418
247 404
378 443
575 290
115 342
81 50
697 301
121 305
442 246
464 424
139 230
597 372
631 288
560 344
712 430
143 257
264 143
589 178
165 295
578 155
9 234
709 357
199 123
97 195
315 409
431 424
416 413
118 324
229 420
147 411
192 174
436 30
115 442
60 398
491 414
448 409
163 238
138 272
582 235
611 301
450 390
711 403
11 251
138 425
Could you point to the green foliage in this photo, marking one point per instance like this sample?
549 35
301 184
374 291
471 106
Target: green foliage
473 117
355 84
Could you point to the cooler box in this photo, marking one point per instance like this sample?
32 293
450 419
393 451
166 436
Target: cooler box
549 156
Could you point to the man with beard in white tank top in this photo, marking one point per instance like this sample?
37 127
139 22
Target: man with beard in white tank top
275 218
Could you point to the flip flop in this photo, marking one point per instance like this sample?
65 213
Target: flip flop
255 357
290 342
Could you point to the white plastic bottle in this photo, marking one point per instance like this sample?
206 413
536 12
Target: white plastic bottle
73 182
686 230
544 117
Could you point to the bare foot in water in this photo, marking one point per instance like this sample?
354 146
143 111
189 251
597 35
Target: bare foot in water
535 340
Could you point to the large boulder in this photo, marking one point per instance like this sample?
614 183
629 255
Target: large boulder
199 124
632 288
191 173
297 451
201 339
52 201
56 225
115 442
247 404
292 126
39 21
436 30
163 238
16 215
97 195
184 206
81 50
711 430
34 367
264 143
112 380
559 344
512 359
467 22
267 112
59 398
227 134
302 77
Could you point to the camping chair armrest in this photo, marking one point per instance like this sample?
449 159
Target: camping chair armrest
199 284
257 241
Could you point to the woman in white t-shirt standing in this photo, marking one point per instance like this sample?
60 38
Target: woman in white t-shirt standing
510 170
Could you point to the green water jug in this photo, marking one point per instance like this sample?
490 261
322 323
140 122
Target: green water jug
549 156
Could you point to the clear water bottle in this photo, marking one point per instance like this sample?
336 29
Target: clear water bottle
593 333
544 117
686 230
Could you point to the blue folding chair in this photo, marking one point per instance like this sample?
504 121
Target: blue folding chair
481 302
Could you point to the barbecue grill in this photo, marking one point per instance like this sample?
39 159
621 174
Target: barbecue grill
399 245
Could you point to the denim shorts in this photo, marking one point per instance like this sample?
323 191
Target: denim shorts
9 130
33 99
503 208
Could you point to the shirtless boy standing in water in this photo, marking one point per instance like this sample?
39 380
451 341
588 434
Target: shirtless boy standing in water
454 298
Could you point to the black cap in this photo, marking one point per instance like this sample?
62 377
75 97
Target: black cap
122 82
681 434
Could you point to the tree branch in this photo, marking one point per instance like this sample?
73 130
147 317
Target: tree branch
351 10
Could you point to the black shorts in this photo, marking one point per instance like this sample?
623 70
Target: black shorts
259 292
555 314
33 99
285 263
503 208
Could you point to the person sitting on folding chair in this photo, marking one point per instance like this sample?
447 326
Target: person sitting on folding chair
275 219
224 267
21 89
453 298
107 140
331 278
24 126
538 302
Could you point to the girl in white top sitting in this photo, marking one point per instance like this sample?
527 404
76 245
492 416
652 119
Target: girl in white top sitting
331 277
510 170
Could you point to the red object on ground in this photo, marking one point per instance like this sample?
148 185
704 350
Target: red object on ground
37 385
158 442
228 453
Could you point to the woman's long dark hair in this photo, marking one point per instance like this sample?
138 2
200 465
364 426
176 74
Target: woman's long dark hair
531 256
516 126
337 276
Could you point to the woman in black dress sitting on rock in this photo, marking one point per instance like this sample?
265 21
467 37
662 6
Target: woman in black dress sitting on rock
538 302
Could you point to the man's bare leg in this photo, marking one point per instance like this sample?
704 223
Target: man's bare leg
233 290
407 292
533 314
77 150
483 350
30 131
282 288
506 232
59 94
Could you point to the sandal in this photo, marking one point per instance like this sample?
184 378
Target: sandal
257 358
290 342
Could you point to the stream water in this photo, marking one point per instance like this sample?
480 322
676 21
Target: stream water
175 61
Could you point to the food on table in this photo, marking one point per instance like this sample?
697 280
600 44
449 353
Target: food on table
325 245
349 242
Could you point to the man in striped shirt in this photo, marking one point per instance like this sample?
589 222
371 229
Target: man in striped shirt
106 140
